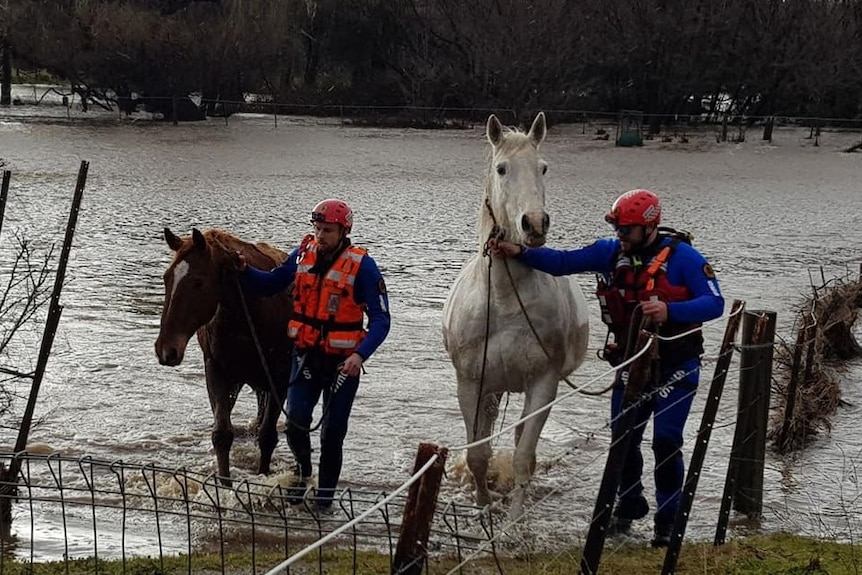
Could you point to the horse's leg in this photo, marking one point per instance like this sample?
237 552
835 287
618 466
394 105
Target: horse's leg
262 397
267 436
478 456
519 429
538 395
222 398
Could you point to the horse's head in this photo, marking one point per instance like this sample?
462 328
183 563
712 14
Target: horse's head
192 286
515 185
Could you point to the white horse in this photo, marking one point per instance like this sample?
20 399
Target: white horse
484 301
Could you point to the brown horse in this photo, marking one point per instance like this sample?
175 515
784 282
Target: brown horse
202 295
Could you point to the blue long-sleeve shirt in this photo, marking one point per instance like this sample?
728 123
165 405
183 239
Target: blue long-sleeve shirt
369 289
686 267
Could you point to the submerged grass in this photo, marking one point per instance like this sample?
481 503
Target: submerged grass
759 555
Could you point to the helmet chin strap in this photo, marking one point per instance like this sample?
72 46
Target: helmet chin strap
650 237
647 239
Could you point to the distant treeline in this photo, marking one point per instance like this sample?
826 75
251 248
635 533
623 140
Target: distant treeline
758 58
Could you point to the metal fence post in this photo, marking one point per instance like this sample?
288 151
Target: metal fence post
703 434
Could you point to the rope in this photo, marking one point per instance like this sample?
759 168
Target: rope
504 530
485 348
498 233
265 365
547 407
349 525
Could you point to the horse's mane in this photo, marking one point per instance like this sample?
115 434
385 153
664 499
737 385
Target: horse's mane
260 255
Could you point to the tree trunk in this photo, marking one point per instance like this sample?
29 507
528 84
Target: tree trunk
6 74
312 61
767 128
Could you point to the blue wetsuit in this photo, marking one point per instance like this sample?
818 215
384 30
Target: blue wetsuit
314 372
671 401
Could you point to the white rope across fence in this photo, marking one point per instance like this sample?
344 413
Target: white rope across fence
323 540
415 477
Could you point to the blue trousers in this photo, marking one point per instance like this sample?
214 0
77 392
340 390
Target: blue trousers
669 404
313 375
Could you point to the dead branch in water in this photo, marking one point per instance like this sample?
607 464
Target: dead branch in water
827 344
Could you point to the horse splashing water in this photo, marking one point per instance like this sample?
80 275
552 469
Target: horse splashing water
202 295
487 333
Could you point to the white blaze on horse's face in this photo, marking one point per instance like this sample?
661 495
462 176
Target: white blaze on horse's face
181 270
191 297
517 187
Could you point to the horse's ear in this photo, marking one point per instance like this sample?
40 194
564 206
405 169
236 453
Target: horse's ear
539 129
198 238
494 130
174 242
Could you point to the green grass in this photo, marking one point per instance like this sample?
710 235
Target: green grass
777 554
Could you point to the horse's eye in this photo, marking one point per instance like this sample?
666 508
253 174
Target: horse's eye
501 169
544 169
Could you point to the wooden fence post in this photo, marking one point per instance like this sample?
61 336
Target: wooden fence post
755 379
4 195
411 551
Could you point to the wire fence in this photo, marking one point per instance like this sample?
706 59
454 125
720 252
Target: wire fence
84 508
75 105
81 508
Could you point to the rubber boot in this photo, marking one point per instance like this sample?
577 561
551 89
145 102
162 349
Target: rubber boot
661 534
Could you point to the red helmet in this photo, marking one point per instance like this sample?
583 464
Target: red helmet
333 212
635 208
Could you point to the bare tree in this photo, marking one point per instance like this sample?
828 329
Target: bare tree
24 291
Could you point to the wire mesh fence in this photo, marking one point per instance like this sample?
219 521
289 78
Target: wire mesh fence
66 508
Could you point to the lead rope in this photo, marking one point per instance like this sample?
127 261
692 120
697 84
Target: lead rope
541 343
497 233
272 389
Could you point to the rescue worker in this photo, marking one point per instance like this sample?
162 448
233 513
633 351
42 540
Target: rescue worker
676 288
335 285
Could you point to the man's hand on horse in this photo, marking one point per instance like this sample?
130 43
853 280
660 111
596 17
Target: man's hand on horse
503 249
239 262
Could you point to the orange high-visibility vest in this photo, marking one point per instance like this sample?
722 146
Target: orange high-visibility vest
325 314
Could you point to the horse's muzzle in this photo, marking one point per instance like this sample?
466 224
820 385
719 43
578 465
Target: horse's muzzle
170 355
534 226
535 241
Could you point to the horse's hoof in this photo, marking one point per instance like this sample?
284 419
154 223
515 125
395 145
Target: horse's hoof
487 497
483 498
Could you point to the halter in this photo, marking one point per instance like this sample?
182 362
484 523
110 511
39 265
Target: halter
497 233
